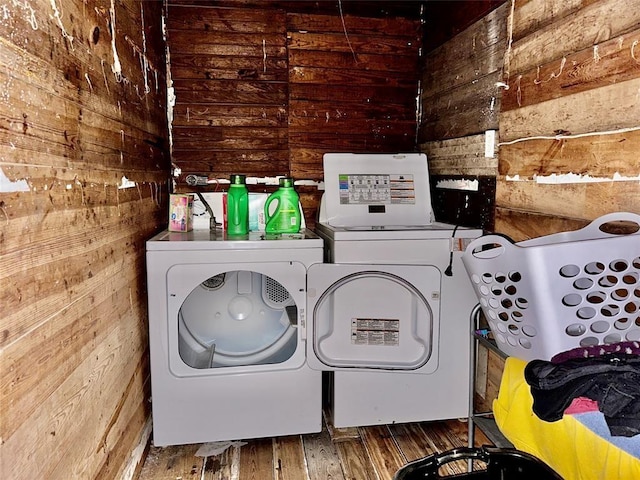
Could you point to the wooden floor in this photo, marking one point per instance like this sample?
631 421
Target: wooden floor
365 453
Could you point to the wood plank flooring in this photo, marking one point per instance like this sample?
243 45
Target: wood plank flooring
364 453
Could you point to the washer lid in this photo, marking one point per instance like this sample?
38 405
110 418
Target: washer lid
376 189
373 317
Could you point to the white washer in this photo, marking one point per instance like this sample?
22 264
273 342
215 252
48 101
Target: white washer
226 336
386 316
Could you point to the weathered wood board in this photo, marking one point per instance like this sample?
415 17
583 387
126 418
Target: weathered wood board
84 165
460 101
230 80
375 452
461 83
565 28
352 87
570 119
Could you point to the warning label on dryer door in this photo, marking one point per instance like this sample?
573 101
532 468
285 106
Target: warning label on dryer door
375 331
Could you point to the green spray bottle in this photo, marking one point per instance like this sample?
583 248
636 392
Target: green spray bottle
283 216
237 206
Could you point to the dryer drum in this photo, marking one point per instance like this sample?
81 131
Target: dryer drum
274 294
237 318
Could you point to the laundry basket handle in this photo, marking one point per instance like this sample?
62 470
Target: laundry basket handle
488 247
595 227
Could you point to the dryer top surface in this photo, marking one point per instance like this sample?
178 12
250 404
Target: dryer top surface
206 240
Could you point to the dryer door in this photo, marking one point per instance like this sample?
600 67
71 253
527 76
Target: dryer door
373 317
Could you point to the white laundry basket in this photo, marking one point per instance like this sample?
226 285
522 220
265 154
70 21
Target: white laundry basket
554 293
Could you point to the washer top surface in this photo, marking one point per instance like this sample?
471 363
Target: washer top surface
435 230
218 240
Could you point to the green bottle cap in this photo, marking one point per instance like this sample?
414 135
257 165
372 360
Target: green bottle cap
286 182
238 179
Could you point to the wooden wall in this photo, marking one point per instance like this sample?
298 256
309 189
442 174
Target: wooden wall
229 73
460 102
83 183
266 88
559 81
572 107
350 93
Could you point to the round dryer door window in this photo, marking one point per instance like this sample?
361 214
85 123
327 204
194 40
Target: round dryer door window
237 318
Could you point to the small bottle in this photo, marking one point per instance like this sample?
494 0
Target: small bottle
284 216
237 206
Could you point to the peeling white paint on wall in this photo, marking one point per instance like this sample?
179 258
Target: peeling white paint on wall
8 186
577 178
28 9
126 183
566 178
143 56
116 68
145 64
171 96
461 184
58 16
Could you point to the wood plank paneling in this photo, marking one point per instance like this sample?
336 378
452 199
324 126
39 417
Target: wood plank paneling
597 156
530 17
570 121
522 225
464 154
359 25
84 161
491 375
599 66
461 89
474 53
375 9
230 80
334 71
445 19
370 453
570 31
618 106
262 162
460 101
465 110
570 200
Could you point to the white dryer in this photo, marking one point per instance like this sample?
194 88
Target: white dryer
389 313
226 336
